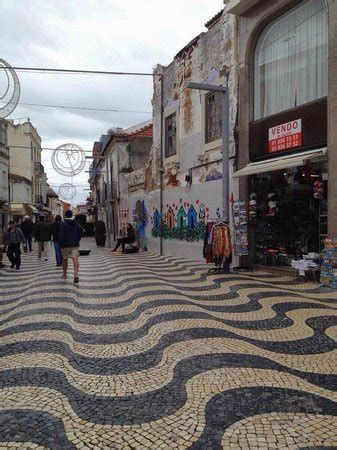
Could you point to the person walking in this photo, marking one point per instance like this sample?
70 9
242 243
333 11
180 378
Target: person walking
42 236
55 233
129 239
27 230
70 236
13 238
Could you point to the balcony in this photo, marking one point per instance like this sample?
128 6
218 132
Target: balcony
38 169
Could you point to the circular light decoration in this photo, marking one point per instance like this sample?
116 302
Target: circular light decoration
67 191
68 159
9 89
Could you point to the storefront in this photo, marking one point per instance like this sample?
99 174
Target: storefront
287 207
19 210
284 180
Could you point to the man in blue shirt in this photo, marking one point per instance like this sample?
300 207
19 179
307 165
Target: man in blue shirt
13 238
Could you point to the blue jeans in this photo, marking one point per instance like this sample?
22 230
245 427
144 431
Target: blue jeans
58 253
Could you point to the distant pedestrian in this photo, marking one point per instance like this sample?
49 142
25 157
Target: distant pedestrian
55 232
129 239
27 230
2 249
42 236
13 238
70 236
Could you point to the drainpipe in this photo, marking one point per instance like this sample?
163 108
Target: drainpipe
161 162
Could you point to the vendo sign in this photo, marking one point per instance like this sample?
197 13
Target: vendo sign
285 136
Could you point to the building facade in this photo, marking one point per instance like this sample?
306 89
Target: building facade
119 155
287 144
4 173
25 156
181 187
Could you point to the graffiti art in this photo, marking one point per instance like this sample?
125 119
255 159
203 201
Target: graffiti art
186 224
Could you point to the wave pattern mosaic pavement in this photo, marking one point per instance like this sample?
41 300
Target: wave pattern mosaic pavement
155 352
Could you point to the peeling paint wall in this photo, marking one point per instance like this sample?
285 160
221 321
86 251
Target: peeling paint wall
209 58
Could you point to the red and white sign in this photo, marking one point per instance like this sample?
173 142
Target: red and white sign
285 136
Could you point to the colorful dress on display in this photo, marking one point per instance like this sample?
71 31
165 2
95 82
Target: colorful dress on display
221 245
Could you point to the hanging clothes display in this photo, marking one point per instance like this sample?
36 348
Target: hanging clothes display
217 245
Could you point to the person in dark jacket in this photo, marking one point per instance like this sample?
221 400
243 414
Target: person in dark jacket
27 230
70 236
130 237
42 236
12 239
55 232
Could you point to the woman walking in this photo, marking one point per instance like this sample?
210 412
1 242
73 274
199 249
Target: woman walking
55 232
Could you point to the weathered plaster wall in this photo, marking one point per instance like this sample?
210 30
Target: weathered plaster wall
210 59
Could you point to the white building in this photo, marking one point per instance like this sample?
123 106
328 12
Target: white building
25 150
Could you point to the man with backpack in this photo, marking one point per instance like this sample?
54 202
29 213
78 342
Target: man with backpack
70 236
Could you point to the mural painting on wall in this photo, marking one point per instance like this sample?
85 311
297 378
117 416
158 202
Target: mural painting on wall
140 218
171 177
212 175
183 220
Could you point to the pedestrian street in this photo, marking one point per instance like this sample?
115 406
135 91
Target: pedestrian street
156 352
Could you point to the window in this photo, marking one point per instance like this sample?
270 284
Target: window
291 60
170 136
4 179
31 151
213 115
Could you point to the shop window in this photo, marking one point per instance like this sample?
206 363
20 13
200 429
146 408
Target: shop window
291 55
170 136
213 115
291 221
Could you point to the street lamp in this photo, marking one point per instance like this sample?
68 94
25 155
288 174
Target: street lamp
225 136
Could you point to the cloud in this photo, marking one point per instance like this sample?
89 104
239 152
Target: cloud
117 35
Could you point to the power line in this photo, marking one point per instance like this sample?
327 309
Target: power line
42 148
78 71
83 108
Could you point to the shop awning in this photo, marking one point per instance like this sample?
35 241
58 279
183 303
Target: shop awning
30 209
282 162
17 208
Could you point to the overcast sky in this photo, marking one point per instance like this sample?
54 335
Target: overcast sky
121 35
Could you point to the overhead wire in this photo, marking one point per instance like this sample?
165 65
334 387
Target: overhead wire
82 108
77 71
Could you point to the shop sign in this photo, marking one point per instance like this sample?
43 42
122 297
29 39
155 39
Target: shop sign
285 136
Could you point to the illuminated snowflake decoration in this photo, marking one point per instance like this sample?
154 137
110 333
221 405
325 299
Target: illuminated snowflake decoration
68 159
67 191
9 89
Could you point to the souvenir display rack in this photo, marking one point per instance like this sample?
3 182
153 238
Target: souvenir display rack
329 263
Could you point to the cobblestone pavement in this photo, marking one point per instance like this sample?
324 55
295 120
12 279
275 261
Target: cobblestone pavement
153 352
